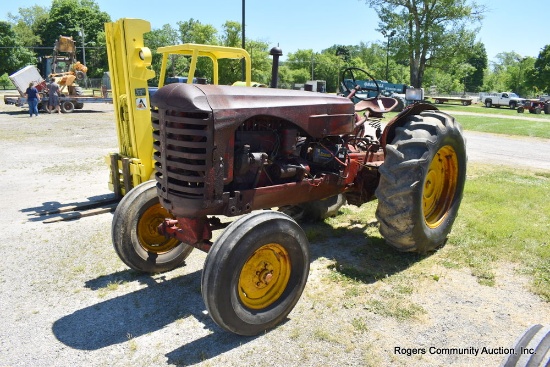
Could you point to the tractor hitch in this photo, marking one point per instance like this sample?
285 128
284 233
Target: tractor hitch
196 232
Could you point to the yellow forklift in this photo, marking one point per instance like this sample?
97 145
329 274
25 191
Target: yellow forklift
135 235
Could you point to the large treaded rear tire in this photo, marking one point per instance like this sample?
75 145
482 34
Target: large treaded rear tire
532 349
421 182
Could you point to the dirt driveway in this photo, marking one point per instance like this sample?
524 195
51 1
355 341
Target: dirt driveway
67 300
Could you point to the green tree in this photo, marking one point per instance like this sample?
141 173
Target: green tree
231 35
193 31
428 31
261 62
478 59
165 36
26 23
5 82
327 68
13 56
539 77
231 70
84 21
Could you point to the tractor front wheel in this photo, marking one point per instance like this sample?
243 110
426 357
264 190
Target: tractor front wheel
135 237
255 272
421 182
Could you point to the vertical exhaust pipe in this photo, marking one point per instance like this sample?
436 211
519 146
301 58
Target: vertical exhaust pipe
275 52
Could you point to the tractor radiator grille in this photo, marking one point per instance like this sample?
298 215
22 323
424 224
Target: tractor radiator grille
183 145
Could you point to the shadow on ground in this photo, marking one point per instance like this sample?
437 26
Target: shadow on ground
25 112
147 310
53 211
162 302
355 254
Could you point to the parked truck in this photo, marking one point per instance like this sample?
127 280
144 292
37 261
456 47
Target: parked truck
507 99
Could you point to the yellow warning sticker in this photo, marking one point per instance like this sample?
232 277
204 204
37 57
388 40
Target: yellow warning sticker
141 103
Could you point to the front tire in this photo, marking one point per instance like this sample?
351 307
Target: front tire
135 237
255 272
421 182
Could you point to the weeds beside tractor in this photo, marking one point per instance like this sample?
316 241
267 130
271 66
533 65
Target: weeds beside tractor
260 153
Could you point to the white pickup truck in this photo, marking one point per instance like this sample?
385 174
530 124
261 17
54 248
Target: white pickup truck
507 99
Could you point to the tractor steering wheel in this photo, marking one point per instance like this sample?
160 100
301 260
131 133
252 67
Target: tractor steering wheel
357 86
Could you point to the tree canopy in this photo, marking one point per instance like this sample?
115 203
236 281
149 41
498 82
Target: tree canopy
433 45
539 77
428 32
13 54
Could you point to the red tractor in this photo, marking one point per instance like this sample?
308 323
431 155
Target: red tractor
238 151
535 106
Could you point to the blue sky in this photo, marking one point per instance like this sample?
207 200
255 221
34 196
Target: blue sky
510 25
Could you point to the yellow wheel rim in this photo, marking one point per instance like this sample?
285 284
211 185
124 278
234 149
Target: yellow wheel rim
264 276
147 233
440 186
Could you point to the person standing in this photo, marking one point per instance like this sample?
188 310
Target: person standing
33 97
53 96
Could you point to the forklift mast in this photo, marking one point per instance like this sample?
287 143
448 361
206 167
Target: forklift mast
129 66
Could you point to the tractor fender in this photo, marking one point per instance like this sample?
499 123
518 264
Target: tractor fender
401 119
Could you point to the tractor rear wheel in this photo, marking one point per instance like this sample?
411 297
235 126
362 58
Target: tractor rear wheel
255 272
135 237
536 341
421 182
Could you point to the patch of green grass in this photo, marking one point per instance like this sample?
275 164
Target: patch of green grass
510 123
480 108
504 217
396 307
110 287
132 344
508 126
324 335
359 325
65 168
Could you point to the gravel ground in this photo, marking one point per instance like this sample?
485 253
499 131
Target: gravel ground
67 300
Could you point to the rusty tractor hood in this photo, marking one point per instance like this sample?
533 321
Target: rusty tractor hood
317 114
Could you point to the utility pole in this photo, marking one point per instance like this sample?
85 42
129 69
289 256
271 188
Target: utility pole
243 39
81 32
389 36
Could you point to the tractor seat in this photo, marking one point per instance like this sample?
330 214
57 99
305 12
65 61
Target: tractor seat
376 106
